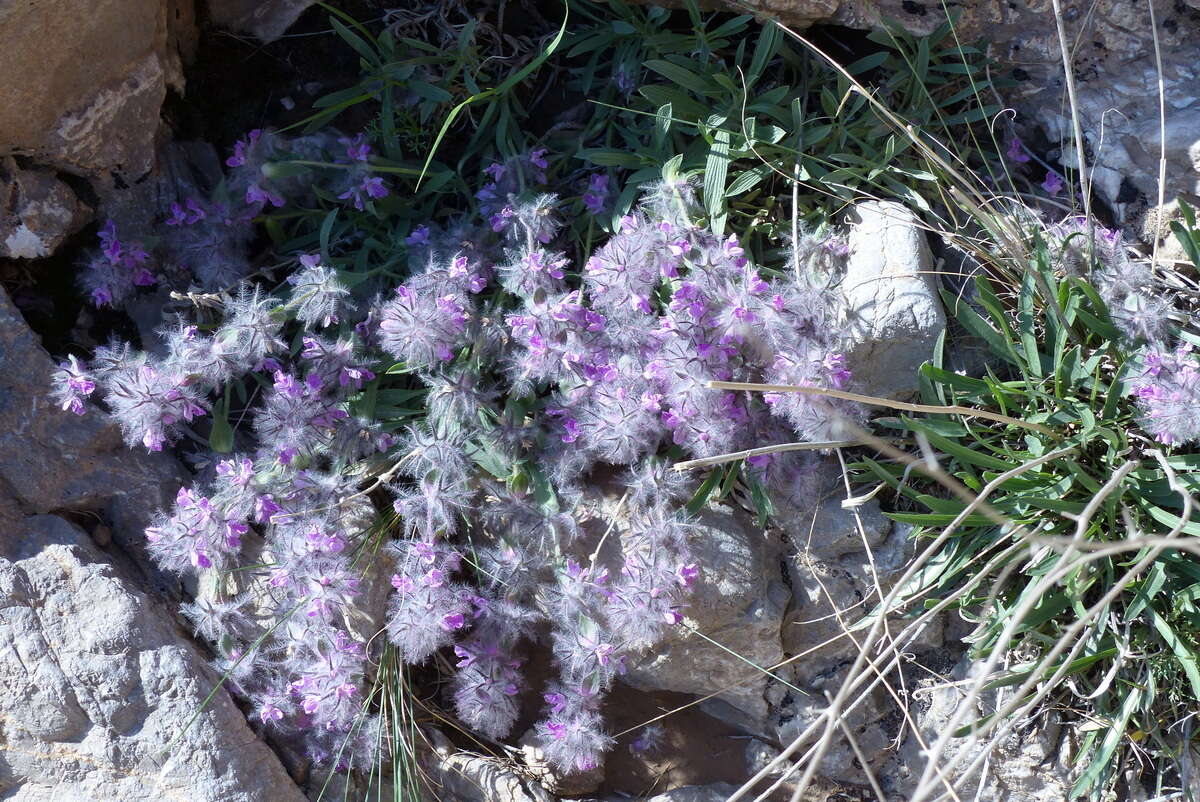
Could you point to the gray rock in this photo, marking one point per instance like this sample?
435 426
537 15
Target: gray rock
98 688
894 313
52 461
466 777
834 584
38 212
264 19
1031 765
1125 147
718 792
834 580
738 602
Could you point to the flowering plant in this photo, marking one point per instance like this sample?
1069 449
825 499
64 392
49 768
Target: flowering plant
538 376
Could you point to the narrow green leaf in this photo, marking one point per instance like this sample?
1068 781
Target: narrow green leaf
682 76
369 53
717 168
220 439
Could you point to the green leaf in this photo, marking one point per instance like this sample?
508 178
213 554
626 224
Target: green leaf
763 507
868 63
939 519
508 83
975 324
326 230
682 76
1021 673
1025 325
685 107
1156 577
220 439
369 54
1163 517
717 168
607 157
1189 240
966 384
1185 656
662 122
704 491
748 180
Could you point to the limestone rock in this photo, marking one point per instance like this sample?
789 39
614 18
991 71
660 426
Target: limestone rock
264 19
84 79
1124 148
1030 765
895 315
51 460
39 212
98 688
466 777
738 602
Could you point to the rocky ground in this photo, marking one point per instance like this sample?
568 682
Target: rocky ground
99 684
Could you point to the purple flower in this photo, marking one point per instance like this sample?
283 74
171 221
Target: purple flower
242 148
1016 151
502 219
839 376
258 196
368 189
101 296
537 157
72 384
269 712
357 148
624 79
1053 183
597 193
419 236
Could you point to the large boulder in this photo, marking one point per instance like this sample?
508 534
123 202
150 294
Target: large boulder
84 80
101 696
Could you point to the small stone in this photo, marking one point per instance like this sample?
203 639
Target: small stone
37 212
895 315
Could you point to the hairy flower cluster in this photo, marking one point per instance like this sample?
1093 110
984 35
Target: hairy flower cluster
540 375
1168 392
111 275
1165 388
287 636
1126 286
600 371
